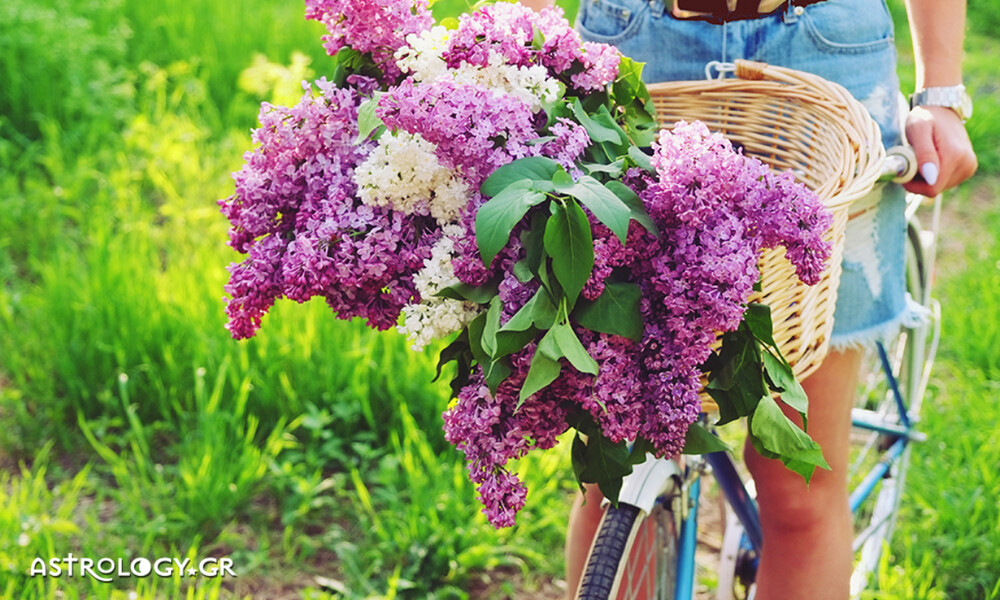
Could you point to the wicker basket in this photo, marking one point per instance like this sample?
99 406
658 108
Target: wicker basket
803 123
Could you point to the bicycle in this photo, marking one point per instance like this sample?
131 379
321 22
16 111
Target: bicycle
645 547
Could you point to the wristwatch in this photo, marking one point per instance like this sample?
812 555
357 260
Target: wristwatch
953 96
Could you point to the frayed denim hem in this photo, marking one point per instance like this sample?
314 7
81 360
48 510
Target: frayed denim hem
914 314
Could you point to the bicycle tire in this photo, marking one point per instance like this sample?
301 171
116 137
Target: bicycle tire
633 556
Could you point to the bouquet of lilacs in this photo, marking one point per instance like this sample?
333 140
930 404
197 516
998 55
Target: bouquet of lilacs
503 185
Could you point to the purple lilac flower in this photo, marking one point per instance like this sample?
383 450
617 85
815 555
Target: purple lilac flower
492 429
295 213
476 130
378 27
509 29
778 209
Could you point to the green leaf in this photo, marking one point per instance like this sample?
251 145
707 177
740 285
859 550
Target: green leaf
780 373
522 271
699 440
613 169
452 352
494 371
475 329
459 352
541 373
537 38
578 456
561 179
640 121
538 312
628 86
509 342
534 243
368 121
640 448
641 159
605 463
615 311
569 242
740 365
498 217
571 347
634 203
538 169
605 204
491 326
777 434
599 129
727 406
758 318
481 294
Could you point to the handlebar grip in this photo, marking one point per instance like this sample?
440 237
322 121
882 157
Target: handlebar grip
900 165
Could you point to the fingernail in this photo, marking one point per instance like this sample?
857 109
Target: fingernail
929 171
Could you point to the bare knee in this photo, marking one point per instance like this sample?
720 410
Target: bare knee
788 503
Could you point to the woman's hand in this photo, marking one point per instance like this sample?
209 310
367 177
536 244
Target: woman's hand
944 153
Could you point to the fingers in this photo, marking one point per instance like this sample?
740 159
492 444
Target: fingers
945 157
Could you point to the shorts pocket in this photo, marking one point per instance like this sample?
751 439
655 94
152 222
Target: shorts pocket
849 26
610 22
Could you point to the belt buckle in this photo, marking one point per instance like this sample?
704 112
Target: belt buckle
685 14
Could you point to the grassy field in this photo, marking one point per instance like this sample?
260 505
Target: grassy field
312 457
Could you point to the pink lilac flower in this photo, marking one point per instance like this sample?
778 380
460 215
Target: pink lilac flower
570 140
295 213
378 27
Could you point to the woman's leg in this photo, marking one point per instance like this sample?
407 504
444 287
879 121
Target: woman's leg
584 519
808 528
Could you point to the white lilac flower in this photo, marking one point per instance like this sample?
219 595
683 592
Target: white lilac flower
404 173
436 317
530 84
421 57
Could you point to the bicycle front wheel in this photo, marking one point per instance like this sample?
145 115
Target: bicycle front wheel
634 555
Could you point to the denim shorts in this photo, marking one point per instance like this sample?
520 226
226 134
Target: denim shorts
847 41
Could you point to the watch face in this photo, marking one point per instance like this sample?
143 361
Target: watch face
965 106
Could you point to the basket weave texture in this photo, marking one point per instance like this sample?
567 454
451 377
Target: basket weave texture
794 121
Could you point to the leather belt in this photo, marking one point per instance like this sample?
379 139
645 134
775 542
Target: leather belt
721 11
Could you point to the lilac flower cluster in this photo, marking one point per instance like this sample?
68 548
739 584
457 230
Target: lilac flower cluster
378 27
509 29
697 170
715 210
491 429
295 213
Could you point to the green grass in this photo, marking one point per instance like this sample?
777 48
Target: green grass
312 455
